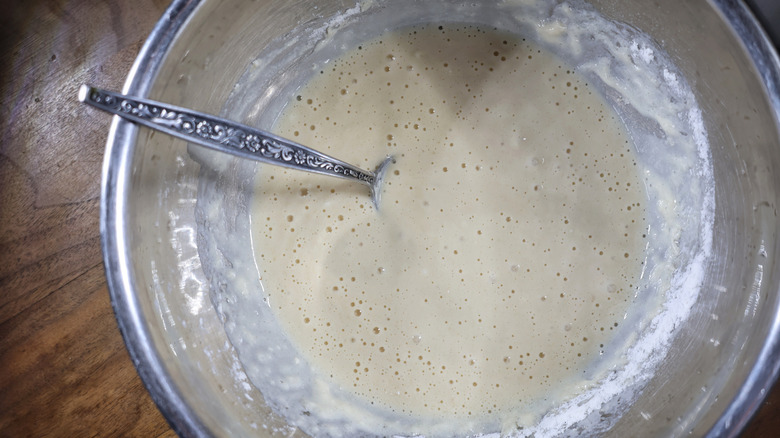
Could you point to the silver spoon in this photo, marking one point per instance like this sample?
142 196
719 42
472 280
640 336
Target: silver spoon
231 137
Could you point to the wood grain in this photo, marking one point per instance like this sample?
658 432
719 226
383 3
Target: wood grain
64 370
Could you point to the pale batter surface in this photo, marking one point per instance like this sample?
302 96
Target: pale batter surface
509 243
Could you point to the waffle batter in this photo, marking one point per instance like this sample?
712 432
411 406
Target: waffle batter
508 246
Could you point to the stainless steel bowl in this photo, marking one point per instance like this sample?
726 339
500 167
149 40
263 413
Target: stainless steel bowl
718 369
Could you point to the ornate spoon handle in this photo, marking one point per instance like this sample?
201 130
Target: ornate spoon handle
227 136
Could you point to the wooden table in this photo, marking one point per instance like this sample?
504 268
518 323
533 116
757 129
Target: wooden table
64 370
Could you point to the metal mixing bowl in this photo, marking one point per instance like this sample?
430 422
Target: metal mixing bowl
718 369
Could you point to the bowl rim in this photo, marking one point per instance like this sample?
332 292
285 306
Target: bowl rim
116 174
764 373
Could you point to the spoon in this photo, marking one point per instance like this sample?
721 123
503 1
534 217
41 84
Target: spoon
231 137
